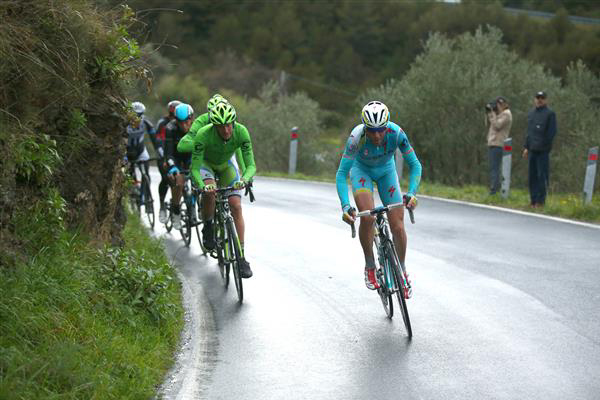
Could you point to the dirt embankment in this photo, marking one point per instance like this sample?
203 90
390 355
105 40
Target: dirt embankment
62 117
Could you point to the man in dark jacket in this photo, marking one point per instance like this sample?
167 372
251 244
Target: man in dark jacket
541 129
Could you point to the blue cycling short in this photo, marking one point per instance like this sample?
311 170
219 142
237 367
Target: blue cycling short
384 176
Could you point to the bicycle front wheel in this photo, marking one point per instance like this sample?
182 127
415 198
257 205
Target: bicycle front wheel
385 295
186 228
168 222
148 203
399 281
224 265
236 259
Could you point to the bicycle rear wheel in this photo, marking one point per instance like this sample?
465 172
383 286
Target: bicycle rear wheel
385 295
186 228
399 280
236 259
148 203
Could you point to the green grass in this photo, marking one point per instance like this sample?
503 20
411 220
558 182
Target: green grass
564 205
77 322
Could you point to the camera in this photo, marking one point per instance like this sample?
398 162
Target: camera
491 106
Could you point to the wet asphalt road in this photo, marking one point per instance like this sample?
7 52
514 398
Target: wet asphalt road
505 306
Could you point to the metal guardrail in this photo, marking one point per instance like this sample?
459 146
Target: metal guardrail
542 14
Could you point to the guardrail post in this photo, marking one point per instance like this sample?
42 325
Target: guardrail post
590 175
506 166
293 150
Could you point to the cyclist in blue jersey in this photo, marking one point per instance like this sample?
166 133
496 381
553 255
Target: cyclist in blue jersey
369 157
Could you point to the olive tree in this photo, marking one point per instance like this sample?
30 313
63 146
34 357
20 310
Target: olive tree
440 104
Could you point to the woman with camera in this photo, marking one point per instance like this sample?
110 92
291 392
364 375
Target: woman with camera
499 118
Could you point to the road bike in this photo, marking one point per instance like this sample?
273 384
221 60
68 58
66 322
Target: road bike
190 212
141 194
228 250
389 272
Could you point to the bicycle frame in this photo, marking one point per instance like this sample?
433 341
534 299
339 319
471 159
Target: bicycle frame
390 268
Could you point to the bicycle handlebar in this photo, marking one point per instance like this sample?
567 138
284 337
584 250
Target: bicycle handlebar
379 210
248 188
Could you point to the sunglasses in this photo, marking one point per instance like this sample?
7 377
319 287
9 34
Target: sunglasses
380 129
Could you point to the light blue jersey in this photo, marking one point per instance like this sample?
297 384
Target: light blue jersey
367 162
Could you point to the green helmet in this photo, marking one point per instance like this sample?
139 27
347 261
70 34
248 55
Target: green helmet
213 101
222 114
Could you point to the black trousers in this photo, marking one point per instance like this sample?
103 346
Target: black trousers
495 160
539 173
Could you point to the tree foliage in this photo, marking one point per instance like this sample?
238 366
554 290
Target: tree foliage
440 103
348 45
270 117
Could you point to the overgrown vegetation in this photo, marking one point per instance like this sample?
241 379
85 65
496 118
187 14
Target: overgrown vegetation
86 311
61 110
78 322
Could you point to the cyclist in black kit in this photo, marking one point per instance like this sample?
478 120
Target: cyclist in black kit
176 161
161 132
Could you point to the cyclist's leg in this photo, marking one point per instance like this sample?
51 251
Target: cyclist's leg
390 193
208 199
362 189
177 189
163 186
208 208
146 166
227 177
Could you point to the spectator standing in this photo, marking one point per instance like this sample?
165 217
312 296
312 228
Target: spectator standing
500 119
541 129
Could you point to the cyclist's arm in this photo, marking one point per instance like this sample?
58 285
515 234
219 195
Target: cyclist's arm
408 153
197 160
170 146
248 158
240 160
186 143
346 162
152 133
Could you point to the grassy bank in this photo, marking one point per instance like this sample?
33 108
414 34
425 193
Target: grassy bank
77 322
564 205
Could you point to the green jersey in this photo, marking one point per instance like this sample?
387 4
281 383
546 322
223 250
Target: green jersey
211 150
186 144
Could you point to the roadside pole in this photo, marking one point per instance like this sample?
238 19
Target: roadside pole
590 175
506 166
293 150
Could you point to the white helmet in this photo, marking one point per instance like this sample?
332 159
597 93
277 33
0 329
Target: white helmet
375 115
138 107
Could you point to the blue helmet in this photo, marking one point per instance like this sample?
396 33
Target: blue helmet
184 112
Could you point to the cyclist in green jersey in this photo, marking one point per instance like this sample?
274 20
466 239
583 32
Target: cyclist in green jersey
214 144
186 144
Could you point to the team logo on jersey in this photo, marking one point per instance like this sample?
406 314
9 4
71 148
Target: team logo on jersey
366 152
352 148
362 181
391 191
